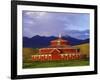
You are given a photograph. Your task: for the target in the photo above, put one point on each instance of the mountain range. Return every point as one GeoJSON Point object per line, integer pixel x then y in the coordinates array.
{"type": "Point", "coordinates": [42, 41]}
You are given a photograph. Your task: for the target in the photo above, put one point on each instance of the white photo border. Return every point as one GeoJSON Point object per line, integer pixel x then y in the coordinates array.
{"type": "Point", "coordinates": [57, 69]}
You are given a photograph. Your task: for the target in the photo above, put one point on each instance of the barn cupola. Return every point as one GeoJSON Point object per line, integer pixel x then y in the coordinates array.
{"type": "Point", "coordinates": [59, 42]}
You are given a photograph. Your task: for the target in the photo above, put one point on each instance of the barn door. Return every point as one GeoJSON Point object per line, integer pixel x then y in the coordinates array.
{"type": "Point", "coordinates": [56, 55]}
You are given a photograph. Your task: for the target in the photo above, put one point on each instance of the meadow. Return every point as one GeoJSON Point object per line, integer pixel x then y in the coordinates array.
{"type": "Point", "coordinates": [62, 63]}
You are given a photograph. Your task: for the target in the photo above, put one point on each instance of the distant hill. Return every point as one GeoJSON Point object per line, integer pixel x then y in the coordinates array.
{"type": "Point", "coordinates": [84, 48]}
{"type": "Point", "coordinates": [42, 41]}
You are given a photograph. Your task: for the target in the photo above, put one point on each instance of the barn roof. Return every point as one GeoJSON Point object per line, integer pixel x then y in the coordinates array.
{"type": "Point", "coordinates": [59, 39]}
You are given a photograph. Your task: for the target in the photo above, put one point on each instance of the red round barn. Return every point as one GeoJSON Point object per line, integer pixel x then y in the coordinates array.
{"type": "Point", "coordinates": [59, 49]}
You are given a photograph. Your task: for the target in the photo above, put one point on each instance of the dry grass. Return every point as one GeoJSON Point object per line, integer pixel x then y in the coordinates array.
{"type": "Point", "coordinates": [84, 48]}
{"type": "Point", "coordinates": [27, 53]}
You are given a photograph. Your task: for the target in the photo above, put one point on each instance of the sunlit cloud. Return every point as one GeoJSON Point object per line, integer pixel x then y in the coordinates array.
{"type": "Point", "coordinates": [35, 14]}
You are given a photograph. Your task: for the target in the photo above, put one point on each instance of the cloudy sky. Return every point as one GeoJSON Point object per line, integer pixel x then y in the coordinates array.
{"type": "Point", "coordinates": [54, 23]}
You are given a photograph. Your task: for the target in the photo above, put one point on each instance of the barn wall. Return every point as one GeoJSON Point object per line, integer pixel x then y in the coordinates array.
{"type": "Point", "coordinates": [50, 57]}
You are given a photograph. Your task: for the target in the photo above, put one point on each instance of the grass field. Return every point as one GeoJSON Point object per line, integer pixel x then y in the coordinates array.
{"type": "Point", "coordinates": [38, 64]}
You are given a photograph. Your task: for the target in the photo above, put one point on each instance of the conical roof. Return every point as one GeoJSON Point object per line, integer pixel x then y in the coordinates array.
{"type": "Point", "coordinates": [59, 42]}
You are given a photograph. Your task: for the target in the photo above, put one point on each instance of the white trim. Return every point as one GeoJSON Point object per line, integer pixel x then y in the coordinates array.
{"type": "Point", "coordinates": [54, 49]}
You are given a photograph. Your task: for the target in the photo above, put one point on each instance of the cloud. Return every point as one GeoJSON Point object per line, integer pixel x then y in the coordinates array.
{"type": "Point", "coordinates": [77, 34]}
{"type": "Point", "coordinates": [51, 24]}
{"type": "Point", "coordinates": [35, 14]}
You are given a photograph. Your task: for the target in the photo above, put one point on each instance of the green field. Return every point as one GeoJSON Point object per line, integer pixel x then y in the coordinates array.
{"type": "Point", "coordinates": [38, 64]}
